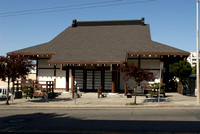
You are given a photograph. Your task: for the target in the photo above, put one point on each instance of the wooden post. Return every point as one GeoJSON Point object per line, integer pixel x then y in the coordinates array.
{"type": "Point", "coordinates": [84, 80]}
{"type": "Point", "coordinates": [114, 80]}
{"type": "Point", "coordinates": [67, 79]}
{"type": "Point", "coordinates": [72, 83]}
{"type": "Point", "coordinates": [55, 83]}
{"type": "Point", "coordinates": [37, 69]}
{"type": "Point", "coordinates": [54, 70]}
{"type": "Point", "coordinates": [17, 85]}
{"type": "Point", "coordinates": [102, 78]}
{"type": "Point", "coordinates": [125, 89]}
{"type": "Point", "coordinates": [46, 87]}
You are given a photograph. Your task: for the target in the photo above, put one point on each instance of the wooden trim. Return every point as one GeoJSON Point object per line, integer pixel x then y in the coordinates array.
{"type": "Point", "coordinates": [159, 53]}
{"type": "Point", "coordinates": [60, 88]}
{"type": "Point", "coordinates": [113, 83]}
{"type": "Point", "coordinates": [48, 68]}
{"type": "Point", "coordinates": [30, 54]}
{"type": "Point", "coordinates": [82, 62]}
{"type": "Point", "coordinates": [54, 70]}
{"type": "Point", "coordinates": [43, 58]}
{"type": "Point", "coordinates": [139, 61]}
{"type": "Point", "coordinates": [84, 80]}
{"type": "Point", "coordinates": [72, 83]}
{"type": "Point", "coordinates": [54, 83]}
{"type": "Point", "coordinates": [67, 80]}
{"type": "Point", "coordinates": [103, 79]}
{"type": "Point", "coordinates": [37, 70]}
{"type": "Point", "coordinates": [83, 68]}
{"type": "Point", "coordinates": [144, 58]}
{"type": "Point", "coordinates": [93, 79]}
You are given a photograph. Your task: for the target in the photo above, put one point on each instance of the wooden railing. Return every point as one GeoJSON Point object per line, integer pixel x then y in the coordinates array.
{"type": "Point", "coordinates": [129, 87]}
{"type": "Point", "coordinates": [39, 87]}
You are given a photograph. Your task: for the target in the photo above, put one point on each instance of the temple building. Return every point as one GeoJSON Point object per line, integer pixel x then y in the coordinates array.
{"type": "Point", "coordinates": [87, 52]}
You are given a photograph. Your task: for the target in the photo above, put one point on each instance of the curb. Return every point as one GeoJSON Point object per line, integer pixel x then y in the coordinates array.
{"type": "Point", "coordinates": [99, 106]}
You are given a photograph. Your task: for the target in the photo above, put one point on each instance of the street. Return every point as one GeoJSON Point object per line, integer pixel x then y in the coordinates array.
{"type": "Point", "coordinates": [114, 121]}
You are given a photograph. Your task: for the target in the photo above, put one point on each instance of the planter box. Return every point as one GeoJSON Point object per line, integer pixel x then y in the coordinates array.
{"type": "Point", "coordinates": [18, 95]}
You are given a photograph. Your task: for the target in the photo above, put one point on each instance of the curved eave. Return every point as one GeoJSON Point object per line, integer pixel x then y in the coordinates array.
{"type": "Point", "coordinates": [160, 53]}
{"type": "Point", "coordinates": [30, 54]}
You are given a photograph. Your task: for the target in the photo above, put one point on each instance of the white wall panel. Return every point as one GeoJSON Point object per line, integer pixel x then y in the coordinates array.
{"type": "Point", "coordinates": [60, 79]}
{"type": "Point", "coordinates": [45, 75]}
{"type": "Point", "coordinates": [150, 63]}
{"type": "Point", "coordinates": [42, 63]}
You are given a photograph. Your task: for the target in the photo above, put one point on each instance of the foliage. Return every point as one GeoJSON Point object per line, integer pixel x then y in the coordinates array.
{"type": "Point", "coordinates": [14, 66]}
{"type": "Point", "coordinates": [194, 69]}
{"type": "Point", "coordinates": [156, 86]}
{"type": "Point", "coordinates": [181, 70]}
{"type": "Point", "coordinates": [132, 71]}
{"type": "Point", "coordinates": [131, 103]}
{"type": "Point", "coordinates": [153, 94]}
{"type": "Point", "coordinates": [27, 91]}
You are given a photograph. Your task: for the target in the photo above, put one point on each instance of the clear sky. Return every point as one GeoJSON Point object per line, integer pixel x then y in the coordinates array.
{"type": "Point", "coordinates": [172, 22]}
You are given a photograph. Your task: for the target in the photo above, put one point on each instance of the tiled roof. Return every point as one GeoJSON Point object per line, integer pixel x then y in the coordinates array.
{"type": "Point", "coordinates": [102, 41]}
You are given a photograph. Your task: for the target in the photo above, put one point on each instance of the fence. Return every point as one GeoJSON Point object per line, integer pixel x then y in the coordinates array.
{"type": "Point", "coordinates": [38, 87]}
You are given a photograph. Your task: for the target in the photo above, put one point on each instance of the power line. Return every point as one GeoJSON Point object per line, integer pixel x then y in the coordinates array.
{"type": "Point", "coordinates": [57, 7]}
{"type": "Point", "coordinates": [39, 11]}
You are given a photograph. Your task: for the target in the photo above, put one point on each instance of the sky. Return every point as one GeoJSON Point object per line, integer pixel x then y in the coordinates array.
{"type": "Point", "coordinates": [25, 23]}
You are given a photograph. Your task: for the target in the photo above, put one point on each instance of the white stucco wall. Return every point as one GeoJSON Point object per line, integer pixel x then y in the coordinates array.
{"type": "Point", "coordinates": [48, 74]}
{"type": "Point", "coordinates": [153, 64]}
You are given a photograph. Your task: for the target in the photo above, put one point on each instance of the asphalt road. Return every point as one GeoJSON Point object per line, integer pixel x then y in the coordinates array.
{"type": "Point", "coordinates": [96, 121]}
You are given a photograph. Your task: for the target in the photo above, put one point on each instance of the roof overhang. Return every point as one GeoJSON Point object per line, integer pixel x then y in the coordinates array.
{"type": "Point", "coordinates": [30, 54]}
{"type": "Point", "coordinates": [160, 53]}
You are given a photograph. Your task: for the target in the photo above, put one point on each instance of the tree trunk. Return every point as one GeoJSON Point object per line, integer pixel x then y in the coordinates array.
{"type": "Point", "coordinates": [136, 93]}
{"type": "Point", "coordinates": [7, 92]}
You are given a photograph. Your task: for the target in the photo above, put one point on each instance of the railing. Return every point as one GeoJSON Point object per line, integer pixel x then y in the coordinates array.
{"type": "Point", "coordinates": [39, 87]}
{"type": "Point", "coordinates": [130, 87]}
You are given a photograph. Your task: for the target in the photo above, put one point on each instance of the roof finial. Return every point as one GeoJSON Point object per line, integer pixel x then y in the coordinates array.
{"type": "Point", "coordinates": [74, 23]}
{"type": "Point", "coordinates": [142, 20]}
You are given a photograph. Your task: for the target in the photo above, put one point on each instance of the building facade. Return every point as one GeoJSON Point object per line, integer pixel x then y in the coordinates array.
{"type": "Point", "coordinates": [192, 58]}
{"type": "Point", "coordinates": [87, 53]}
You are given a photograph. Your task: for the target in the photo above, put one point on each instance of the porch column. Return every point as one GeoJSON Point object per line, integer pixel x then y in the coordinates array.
{"type": "Point", "coordinates": [102, 78]}
{"type": "Point", "coordinates": [114, 80]}
{"type": "Point", "coordinates": [37, 70]}
{"type": "Point", "coordinates": [84, 80]}
{"type": "Point", "coordinates": [72, 83]}
{"type": "Point", "coordinates": [67, 79]}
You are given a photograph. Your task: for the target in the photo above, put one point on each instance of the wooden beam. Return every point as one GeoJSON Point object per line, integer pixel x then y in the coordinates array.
{"type": "Point", "coordinates": [113, 82]}
{"type": "Point", "coordinates": [84, 80]}
{"type": "Point", "coordinates": [54, 70]}
{"type": "Point", "coordinates": [37, 69]}
{"type": "Point", "coordinates": [102, 78]}
{"type": "Point", "coordinates": [72, 83]}
{"type": "Point", "coordinates": [67, 80]}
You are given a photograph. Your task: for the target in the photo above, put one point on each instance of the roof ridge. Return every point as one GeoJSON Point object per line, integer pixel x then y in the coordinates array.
{"type": "Point", "coordinates": [76, 23]}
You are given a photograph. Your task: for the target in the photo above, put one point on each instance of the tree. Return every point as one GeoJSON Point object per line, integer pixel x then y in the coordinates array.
{"type": "Point", "coordinates": [181, 70]}
{"type": "Point", "coordinates": [13, 67]}
{"type": "Point", "coordinates": [132, 71]}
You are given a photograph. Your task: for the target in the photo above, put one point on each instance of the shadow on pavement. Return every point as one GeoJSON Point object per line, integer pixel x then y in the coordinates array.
{"type": "Point", "coordinates": [50, 100]}
{"type": "Point", "coordinates": [62, 123]}
{"type": "Point", "coordinates": [156, 100]}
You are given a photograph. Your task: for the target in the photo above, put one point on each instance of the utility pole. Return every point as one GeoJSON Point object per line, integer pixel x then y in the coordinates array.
{"type": "Point", "coordinates": [197, 76]}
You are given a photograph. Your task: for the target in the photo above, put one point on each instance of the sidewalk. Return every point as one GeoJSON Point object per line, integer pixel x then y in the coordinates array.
{"type": "Point", "coordinates": [90, 100]}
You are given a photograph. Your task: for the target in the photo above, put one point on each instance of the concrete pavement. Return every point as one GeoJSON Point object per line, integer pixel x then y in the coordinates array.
{"type": "Point", "coordinates": [90, 100]}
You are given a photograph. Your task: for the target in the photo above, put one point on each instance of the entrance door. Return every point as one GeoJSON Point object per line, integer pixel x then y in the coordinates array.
{"type": "Point", "coordinates": [93, 80]}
